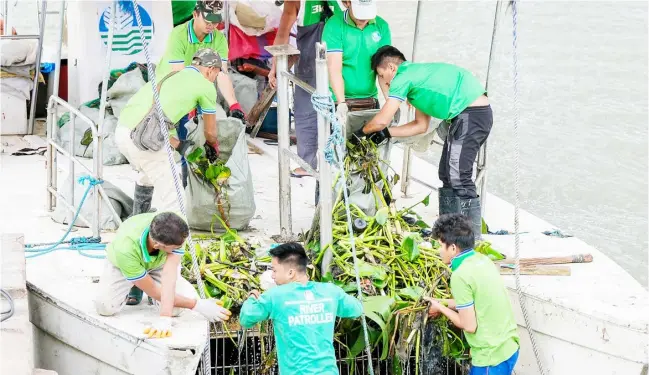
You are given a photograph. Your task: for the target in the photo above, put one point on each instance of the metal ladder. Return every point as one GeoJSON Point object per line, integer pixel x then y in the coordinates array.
{"type": "Point", "coordinates": [42, 13]}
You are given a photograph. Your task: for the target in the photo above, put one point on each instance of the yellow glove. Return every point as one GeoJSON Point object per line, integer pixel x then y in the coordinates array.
{"type": "Point", "coordinates": [160, 329]}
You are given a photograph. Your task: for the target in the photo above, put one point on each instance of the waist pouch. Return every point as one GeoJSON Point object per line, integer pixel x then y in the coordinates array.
{"type": "Point", "coordinates": [361, 104]}
{"type": "Point", "coordinates": [147, 135]}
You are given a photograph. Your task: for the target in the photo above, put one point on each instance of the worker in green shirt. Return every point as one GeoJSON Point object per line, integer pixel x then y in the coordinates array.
{"type": "Point", "coordinates": [310, 16]}
{"type": "Point", "coordinates": [351, 41]}
{"type": "Point", "coordinates": [198, 33]}
{"type": "Point", "coordinates": [185, 40]}
{"type": "Point", "coordinates": [146, 253]}
{"type": "Point", "coordinates": [446, 92]}
{"type": "Point", "coordinates": [480, 304]}
{"type": "Point", "coordinates": [303, 314]}
{"type": "Point", "coordinates": [139, 137]}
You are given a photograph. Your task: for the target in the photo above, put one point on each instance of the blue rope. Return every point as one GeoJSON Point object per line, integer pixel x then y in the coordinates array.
{"type": "Point", "coordinates": [78, 244]}
{"type": "Point", "coordinates": [324, 105]}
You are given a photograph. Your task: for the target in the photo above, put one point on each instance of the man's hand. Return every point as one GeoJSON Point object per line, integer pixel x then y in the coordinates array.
{"type": "Point", "coordinates": [341, 113]}
{"type": "Point", "coordinates": [357, 136]}
{"type": "Point", "coordinates": [380, 136]}
{"type": "Point", "coordinates": [160, 329]}
{"type": "Point", "coordinates": [272, 77]}
{"type": "Point", "coordinates": [237, 112]}
{"type": "Point", "coordinates": [211, 151]}
{"type": "Point", "coordinates": [184, 147]}
{"type": "Point", "coordinates": [434, 308]}
{"type": "Point", "coordinates": [212, 310]}
{"type": "Point", "coordinates": [254, 293]}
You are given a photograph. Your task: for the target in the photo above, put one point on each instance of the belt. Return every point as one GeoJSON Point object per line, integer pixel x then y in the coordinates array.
{"type": "Point", "coordinates": [361, 104]}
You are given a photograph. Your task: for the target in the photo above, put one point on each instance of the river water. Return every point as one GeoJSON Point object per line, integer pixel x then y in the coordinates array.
{"type": "Point", "coordinates": [583, 106]}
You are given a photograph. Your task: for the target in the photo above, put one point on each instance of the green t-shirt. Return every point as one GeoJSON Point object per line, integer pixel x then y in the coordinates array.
{"type": "Point", "coordinates": [183, 44]}
{"type": "Point", "coordinates": [357, 46]}
{"type": "Point", "coordinates": [303, 321]}
{"type": "Point", "coordinates": [311, 11]}
{"type": "Point", "coordinates": [475, 281]}
{"type": "Point", "coordinates": [179, 94]}
{"type": "Point", "coordinates": [439, 90]}
{"type": "Point", "coordinates": [182, 9]}
{"type": "Point", "coordinates": [128, 250]}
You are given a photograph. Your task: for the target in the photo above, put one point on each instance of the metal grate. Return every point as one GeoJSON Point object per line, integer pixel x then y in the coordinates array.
{"type": "Point", "coordinates": [228, 359]}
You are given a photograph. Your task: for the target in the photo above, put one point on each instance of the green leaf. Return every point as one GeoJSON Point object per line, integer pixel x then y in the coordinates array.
{"type": "Point", "coordinates": [213, 171]}
{"type": "Point", "coordinates": [413, 293]}
{"type": "Point", "coordinates": [422, 224]}
{"type": "Point", "coordinates": [381, 305]}
{"type": "Point", "coordinates": [223, 176]}
{"type": "Point", "coordinates": [485, 228]}
{"type": "Point", "coordinates": [426, 200]}
{"type": "Point", "coordinates": [410, 246]}
{"type": "Point", "coordinates": [381, 216]}
{"type": "Point", "coordinates": [374, 272]}
{"type": "Point", "coordinates": [485, 248]}
{"type": "Point", "coordinates": [385, 334]}
{"type": "Point", "coordinates": [195, 155]}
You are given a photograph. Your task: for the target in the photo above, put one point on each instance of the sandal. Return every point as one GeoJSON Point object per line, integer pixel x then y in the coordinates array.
{"type": "Point", "coordinates": [295, 174]}
{"type": "Point", "coordinates": [134, 296]}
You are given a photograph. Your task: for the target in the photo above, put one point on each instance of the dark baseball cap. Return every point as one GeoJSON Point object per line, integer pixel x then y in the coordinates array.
{"type": "Point", "coordinates": [211, 10]}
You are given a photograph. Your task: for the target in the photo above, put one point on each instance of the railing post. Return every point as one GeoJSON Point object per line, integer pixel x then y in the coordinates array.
{"type": "Point", "coordinates": [98, 137]}
{"type": "Point", "coordinates": [51, 153]}
{"type": "Point", "coordinates": [71, 126]}
{"type": "Point", "coordinates": [324, 175]}
{"type": "Point", "coordinates": [281, 54]}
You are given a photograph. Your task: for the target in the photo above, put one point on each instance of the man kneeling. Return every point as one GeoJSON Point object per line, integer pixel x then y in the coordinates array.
{"type": "Point", "coordinates": [146, 252]}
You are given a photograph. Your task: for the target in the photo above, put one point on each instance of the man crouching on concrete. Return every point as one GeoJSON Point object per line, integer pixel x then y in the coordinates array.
{"type": "Point", "coordinates": [146, 252]}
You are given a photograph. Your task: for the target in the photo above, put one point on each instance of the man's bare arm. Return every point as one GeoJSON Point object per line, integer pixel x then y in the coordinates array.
{"type": "Point", "coordinates": [210, 130]}
{"type": "Point", "coordinates": [289, 16]}
{"type": "Point", "coordinates": [335, 66]}
{"type": "Point", "coordinates": [224, 84]}
{"type": "Point", "coordinates": [418, 126]}
{"type": "Point", "coordinates": [383, 119]}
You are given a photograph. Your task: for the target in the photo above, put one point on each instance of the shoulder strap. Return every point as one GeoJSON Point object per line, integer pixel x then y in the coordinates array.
{"type": "Point", "coordinates": [162, 81]}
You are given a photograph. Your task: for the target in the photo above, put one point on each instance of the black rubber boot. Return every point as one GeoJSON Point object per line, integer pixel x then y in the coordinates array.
{"type": "Point", "coordinates": [472, 210]}
{"type": "Point", "coordinates": [185, 173]}
{"type": "Point", "coordinates": [142, 199]}
{"type": "Point", "coordinates": [448, 202]}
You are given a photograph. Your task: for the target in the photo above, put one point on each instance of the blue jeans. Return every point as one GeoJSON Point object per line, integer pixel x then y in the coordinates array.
{"type": "Point", "coordinates": [503, 368]}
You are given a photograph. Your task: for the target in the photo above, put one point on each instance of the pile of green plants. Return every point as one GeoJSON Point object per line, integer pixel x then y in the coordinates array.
{"type": "Point", "coordinates": [398, 264]}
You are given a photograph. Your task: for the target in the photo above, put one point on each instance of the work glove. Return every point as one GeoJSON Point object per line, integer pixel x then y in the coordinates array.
{"type": "Point", "coordinates": [357, 136]}
{"type": "Point", "coordinates": [159, 329]}
{"type": "Point", "coordinates": [184, 147]}
{"type": "Point", "coordinates": [212, 310]}
{"type": "Point", "coordinates": [341, 113]}
{"type": "Point", "coordinates": [237, 112]}
{"type": "Point", "coordinates": [211, 151]}
{"type": "Point", "coordinates": [380, 136]}
{"type": "Point", "coordinates": [266, 280]}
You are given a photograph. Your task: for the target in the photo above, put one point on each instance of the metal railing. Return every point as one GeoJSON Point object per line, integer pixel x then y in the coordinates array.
{"type": "Point", "coordinates": [324, 174]}
{"type": "Point", "coordinates": [54, 148]}
{"type": "Point", "coordinates": [97, 142]}
{"type": "Point", "coordinates": [37, 63]}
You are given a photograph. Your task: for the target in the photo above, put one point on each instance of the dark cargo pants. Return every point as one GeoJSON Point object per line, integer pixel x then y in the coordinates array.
{"type": "Point", "coordinates": [466, 134]}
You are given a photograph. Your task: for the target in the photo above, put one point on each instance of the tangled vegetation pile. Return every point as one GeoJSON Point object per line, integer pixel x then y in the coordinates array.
{"type": "Point", "coordinates": [215, 173]}
{"type": "Point", "coordinates": [398, 263]}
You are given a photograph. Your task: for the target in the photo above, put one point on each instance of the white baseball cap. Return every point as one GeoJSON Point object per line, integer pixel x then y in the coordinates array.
{"type": "Point", "coordinates": [364, 9]}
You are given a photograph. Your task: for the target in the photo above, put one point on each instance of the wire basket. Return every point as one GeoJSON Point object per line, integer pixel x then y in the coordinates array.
{"type": "Point", "coordinates": [255, 356]}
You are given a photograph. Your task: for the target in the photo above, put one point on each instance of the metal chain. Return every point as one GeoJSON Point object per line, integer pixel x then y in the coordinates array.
{"type": "Point", "coordinates": [324, 105]}
{"type": "Point", "coordinates": [517, 268]}
{"type": "Point", "coordinates": [174, 170]}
